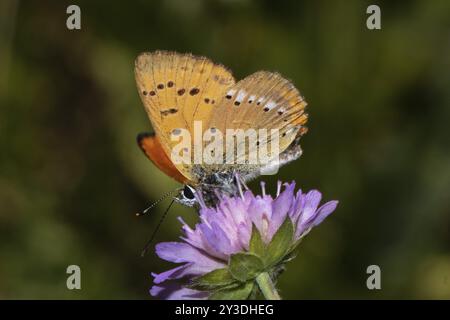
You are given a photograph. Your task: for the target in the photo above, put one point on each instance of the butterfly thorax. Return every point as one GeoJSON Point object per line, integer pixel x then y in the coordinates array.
{"type": "Point", "coordinates": [212, 183]}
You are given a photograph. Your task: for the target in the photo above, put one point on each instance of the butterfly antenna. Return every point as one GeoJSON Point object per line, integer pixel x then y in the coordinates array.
{"type": "Point", "coordinates": [149, 242]}
{"type": "Point", "coordinates": [167, 194]}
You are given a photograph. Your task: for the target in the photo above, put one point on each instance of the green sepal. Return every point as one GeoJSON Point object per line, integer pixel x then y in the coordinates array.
{"type": "Point", "coordinates": [240, 292]}
{"type": "Point", "coordinates": [257, 245]}
{"type": "Point", "coordinates": [214, 279]}
{"type": "Point", "coordinates": [281, 243]}
{"type": "Point", "coordinates": [244, 266]}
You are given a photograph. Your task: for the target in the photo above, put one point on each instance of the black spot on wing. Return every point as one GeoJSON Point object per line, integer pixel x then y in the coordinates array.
{"type": "Point", "coordinates": [194, 91]}
{"type": "Point", "coordinates": [168, 111]}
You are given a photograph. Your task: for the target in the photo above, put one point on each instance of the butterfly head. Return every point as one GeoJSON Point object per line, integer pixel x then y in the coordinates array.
{"type": "Point", "coordinates": [208, 189]}
{"type": "Point", "coordinates": [186, 196]}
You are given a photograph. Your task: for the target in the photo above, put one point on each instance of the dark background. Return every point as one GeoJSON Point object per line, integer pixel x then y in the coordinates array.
{"type": "Point", "coordinates": [71, 175]}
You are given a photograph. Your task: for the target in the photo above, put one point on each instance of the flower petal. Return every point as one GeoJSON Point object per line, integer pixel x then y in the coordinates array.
{"type": "Point", "coordinates": [174, 273]}
{"type": "Point", "coordinates": [174, 291]}
{"type": "Point", "coordinates": [217, 240]}
{"type": "Point", "coordinates": [244, 234]}
{"type": "Point", "coordinates": [297, 206]}
{"type": "Point", "coordinates": [176, 252]}
{"type": "Point", "coordinates": [280, 208]}
{"type": "Point", "coordinates": [282, 204]}
{"type": "Point", "coordinates": [186, 270]}
{"type": "Point", "coordinates": [312, 201]}
{"type": "Point", "coordinates": [324, 211]}
{"type": "Point", "coordinates": [259, 208]}
{"type": "Point", "coordinates": [224, 243]}
{"type": "Point", "coordinates": [234, 209]}
{"type": "Point", "coordinates": [179, 252]}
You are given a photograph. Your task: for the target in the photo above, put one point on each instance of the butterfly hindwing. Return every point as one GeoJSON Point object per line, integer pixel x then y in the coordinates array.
{"type": "Point", "coordinates": [263, 100]}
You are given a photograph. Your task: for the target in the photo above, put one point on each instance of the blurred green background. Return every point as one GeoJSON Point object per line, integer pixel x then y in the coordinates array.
{"type": "Point", "coordinates": [71, 175]}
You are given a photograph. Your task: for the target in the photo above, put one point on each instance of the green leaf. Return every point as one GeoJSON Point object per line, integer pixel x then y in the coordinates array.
{"type": "Point", "coordinates": [245, 266]}
{"type": "Point", "coordinates": [213, 279]}
{"type": "Point", "coordinates": [281, 243]}
{"type": "Point", "coordinates": [257, 245]}
{"type": "Point", "coordinates": [237, 293]}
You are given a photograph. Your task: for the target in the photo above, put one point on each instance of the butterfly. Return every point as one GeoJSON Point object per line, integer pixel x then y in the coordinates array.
{"type": "Point", "coordinates": [180, 90]}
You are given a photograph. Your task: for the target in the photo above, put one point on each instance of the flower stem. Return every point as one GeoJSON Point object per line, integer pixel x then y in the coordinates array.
{"type": "Point", "coordinates": [267, 288]}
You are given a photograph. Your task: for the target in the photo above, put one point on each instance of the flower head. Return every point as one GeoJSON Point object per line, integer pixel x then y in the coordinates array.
{"type": "Point", "coordinates": [238, 243]}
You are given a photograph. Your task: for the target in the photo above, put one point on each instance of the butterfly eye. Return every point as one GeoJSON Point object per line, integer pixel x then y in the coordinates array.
{"type": "Point", "coordinates": [188, 192]}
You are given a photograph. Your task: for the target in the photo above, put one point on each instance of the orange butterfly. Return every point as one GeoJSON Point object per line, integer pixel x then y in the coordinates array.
{"type": "Point", "coordinates": [180, 90]}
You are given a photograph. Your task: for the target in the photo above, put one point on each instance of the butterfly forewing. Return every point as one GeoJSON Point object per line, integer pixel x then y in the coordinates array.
{"type": "Point", "coordinates": [153, 149]}
{"type": "Point", "coordinates": [178, 89]}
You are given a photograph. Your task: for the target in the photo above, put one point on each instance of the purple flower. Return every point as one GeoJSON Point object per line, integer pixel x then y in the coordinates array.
{"type": "Point", "coordinates": [211, 250]}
